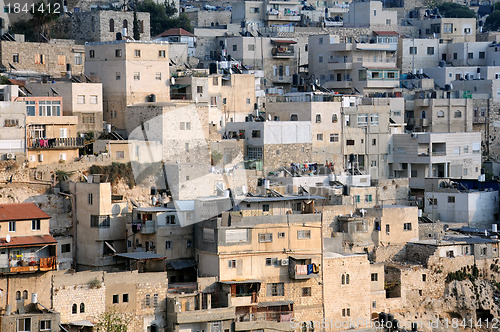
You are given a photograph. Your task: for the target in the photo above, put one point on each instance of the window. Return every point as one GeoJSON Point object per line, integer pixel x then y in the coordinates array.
{"type": "Point", "coordinates": [373, 163]}
{"type": "Point", "coordinates": [334, 118]}
{"type": "Point", "coordinates": [346, 312]}
{"type": "Point", "coordinates": [100, 221]}
{"type": "Point", "coordinates": [271, 261]}
{"type": "Point", "coordinates": [254, 10]}
{"type": "Point", "coordinates": [63, 132]}
{"type": "Point", "coordinates": [93, 99]}
{"type": "Point", "coordinates": [45, 325]}
{"type": "Point", "coordinates": [256, 133]}
{"type": "Point", "coordinates": [25, 294]}
{"type": "Point", "coordinates": [11, 123]}
{"type": "Point", "coordinates": [430, 50]}
{"type": "Point", "coordinates": [318, 118]}
{"type": "Point", "coordinates": [470, 55]}
{"type": "Point", "coordinates": [74, 309]}
{"type": "Point", "coordinates": [90, 198]}
{"type": "Point", "coordinates": [374, 304]}
{"type": "Point", "coordinates": [350, 142]}
{"type": "Point", "coordinates": [235, 48]}
{"type": "Point", "coordinates": [440, 114]}
{"type": "Point", "coordinates": [265, 207]}
{"type": "Point", "coordinates": [35, 224]}
{"type": "Point", "coordinates": [304, 234]}
{"type": "Point", "coordinates": [199, 89]}
{"type": "Point", "coordinates": [320, 41]}
{"type": "Point", "coordinates": [455, 56]}
{"type": "Point", "coordinates": [30, 108]}
{"type": "Point", "coordinates": [407, 226]}
{"type": "Point", "coordinates": [345, 279]}
{"type": "Point", "coordinates": [306, 291]}
{"type": "Point", "coordinates": [12, 226]}
{"type": "Point", "coordinates": [65, 248]}
{"type": "Point", "coordinates": [231, 263]}
{"type": "Point", "coordinates": [320, 59]}
{"type": "Point", "coordinates": [137, 76]}
{"type": "Point", "coordinates": [451, 199]}
{"type": "Point", "coordinates": [18, 294]}
{"type": "Point", "coordinates": [484, 251]}
{"type": "Point", "coordinates": [362, 119]}
{"type": "Point", "coordinates": [111, 25]}
{"type": "Point", "coordinates": [374, 276]}
{"type": "Point", "coordinates": [374, 119]}
{"type": "Point", "coordinates": [265, 237]}
{"type": "Point", "coordinates": [125, 298]}
{"type": "Point", "coordinates": [24, 325]}
{"type": "Point", "coordinates": [39, 59]}
{"type": "Point", "coordinates": [155, 300]}
{"type": "Point", "coordinates": [294, 117]}
{"type": "Point", "coordinates": [116, 298]}
{"type": "Point", "coordinates": [482, 55]}
{"type": "Point", "coordinates": [120, 154]}
{"type": "Point", "coordinates": [334, 138]}
{"type": "Point", "coordinates": [78, 59]}
{"type": "Point", "coordinates": [388, 229]}
{"type": "Point", "coordinates": [424, 277]}
{"type": "Point", "coordinates": [168, 245]}
{"type": "Point", "coordinates": [447, 27]}
{"type": "Point", "coordinates": [161, 54]}
{"type": "Point", "coordinates": [368, 198]}
{"type": "Point", "coordinates": [118, 76]}
{"type": "Point", "coordinates": [189, 244]}
{"type": "Point", "coordinates": [281, 235]}
{"type": "Point", "coordinates": [92, 54]}
{"type": "Point", "coordinates": [118, 53]}
{"type": "Point", "coordinates": [276, 289]}
{"type": "Point", "coordinates": [251, 47]}
{"type": "Point", "coordinates": [388, 22]}
{"type": "Point", "coordinates": [82, 308]}
{"type": "Point", "coordinates": [458, 114]}
{"type": "Point", "coordinates": [413, 50]}
{"type": "Point", "coordinates": [319, 137]}
{"type": "Point", "coordinates": [80, 99]}
{"type": "Point", "coordinates": [15, 58]}
{"type": "Point", "coordinates": [147, 300]}
{"type": "Point", "coordinates": [137, 53]}
{"type": "Point", "coordinates": [213, 101]}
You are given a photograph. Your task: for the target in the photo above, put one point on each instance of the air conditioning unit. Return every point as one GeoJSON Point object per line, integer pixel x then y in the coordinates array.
{"type": "Point", "coordinates": [284, 262]}
{"type": "Point", "coordinates": [11, 156]}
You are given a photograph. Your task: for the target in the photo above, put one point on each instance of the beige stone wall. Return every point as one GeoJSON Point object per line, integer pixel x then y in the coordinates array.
{"type": "Point", "coordinates": [38, 283]}
{"type": "Point", "coordinates": [354, 295]}
{"type": "Point", "coordinates": [55, 56]}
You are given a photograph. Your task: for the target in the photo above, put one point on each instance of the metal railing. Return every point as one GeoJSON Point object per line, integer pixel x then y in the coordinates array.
{"type": "Point", "coordinates": [275, 316]}
{"type": "Point", "coordinates": [55, 143]}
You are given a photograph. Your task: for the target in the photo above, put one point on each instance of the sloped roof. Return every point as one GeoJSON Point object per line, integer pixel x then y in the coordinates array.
{"type": "Point", "coordinates": [386, 33]}
{"type": "Point", "coordinates": [21, 211]}
{"type": "Point", "coordinates": [24, 241]}
{"type": "Point", "coordinates": [175, 32]}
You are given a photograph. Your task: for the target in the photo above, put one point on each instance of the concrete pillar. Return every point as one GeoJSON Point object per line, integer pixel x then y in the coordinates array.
{"type": "Point", "coordinates": [409, 170]}
{"type": "Point", "coordinates": [445, 169]}
{"type": "Point", "coordinates": [209, 301]}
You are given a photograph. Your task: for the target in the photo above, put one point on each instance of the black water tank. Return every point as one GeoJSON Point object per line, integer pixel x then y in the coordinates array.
{"type": "Point", "coordinates": [212, 68]}
{"type": "Point", "coordinates": [295, 79]}
{"type": "Point", "coordinates": [153, 191]}
{"type": "Point", "coordinates": [152, 98]}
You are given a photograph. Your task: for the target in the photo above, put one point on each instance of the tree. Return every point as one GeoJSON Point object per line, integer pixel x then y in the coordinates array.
{"type": "Point", "coordinates": [162, 16]}
{"type": "Point", "coordinates": [454, 10]}
{"type": "Point", "coordinates": [431, 4]}
{"type": "Point", "coordinates": [42, 19]}
{"type": "Point", "coordinates": [137, 34]}
{"type": "Point", "coordinates": [493, 21]}
{"type": "Point", "coordinates": [113, 321]}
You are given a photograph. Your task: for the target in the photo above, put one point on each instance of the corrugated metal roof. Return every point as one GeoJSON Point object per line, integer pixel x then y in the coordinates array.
{"type": "Point", "coordinates": [84, 323]}
{"type": "Point", "coordinates": [182, 264]}
{"type": "Point", "coordinates": [140, 255]}
{"type": "Point", "coordinates": [26, 241]}
{"type": "Point", "coordinates": [274, 303]}
{"type": "Point", "coordinates": [21, 211]}
{"type": "Point", "coordinates": [280, 199]}
{"type": "Point", "coordinates": [154, 209]}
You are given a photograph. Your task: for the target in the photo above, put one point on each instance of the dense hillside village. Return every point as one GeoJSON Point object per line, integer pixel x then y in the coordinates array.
{"type": "Point", "coordinates": [251, 165]}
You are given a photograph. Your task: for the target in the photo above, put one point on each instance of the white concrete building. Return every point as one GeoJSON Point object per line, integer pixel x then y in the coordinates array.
{"type": "Point", "coordinates": [370, 14]}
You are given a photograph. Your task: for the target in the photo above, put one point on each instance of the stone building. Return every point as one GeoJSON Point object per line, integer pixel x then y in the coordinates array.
{"type": "Point", "coordinates": [83, 100]}
{"type": "Point", "coordinates": [57, 58]}
{"type": "Point", "coordinates": [131, 72]}
{"type": "Point", "coordinates": [101, 223]}
{"type": "Point", "coordinates": [107, 25]}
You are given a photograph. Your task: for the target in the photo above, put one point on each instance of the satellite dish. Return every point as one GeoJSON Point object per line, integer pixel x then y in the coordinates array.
{"type": "Point", "coordinates": [269, 117]}
{"type": "Point", "coordinates": [7, 238]}
{"type": "Point", "coordinates": [172, 81]}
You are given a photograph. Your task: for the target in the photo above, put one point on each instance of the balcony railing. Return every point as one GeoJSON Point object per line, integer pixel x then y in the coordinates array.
{"type": "Point", "coordinates": [277, 316]}
{"type": "Point", "coordinates": [55, 143]}
{"type": "Point", "coordinates": [282, 52]}
{"type": "Point", "coordinates": [20, 265]}
{"type": "Point", "coordinates": [439, 153]}
{"type": "Point", "coordinates": [147, 227]}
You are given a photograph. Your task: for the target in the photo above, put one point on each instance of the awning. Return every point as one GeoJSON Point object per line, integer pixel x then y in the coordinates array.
{"type": "Point", "coordinates": [274, 303]}
{"type": "Point", "coordinates": [182, 264]}
{"type": "Point", "coordinates": [84, 323]}
{"type": "Point", "coordinates": [232, 282]}
{"type": "Point", "coordinates": [179, 86]}
{"type": "Point", "coordinates": [282, 41]}
{"type": "Point", "coordinates": [139, 256]}
{"type": "Point", "coordinates": [28, 241]}
{"type": "Point", "coordinates": [386, 33]}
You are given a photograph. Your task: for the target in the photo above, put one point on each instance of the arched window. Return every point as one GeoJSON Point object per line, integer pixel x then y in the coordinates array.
{"type": "Point", "coordinates": [318, 118]}
{"type": "Point", "coordinates": [82, 307]}
{"type": "Point", "coordinates": [25, 294]}
{"type": "Point", "coordinates": [343, 279]}
{"type": "Point", "coordinates": [18, 295]}
{"type": "Point", "coordinates": [125, 24]}
{"type": "Point", "coordinates": [111, 25]}
{"type": "Point", "coordinates": [141, 26]}
{"type": "Point", "coordinates": [212, 24]}
{"type": "Point", "coordinates": [294, 117]}
{"type": "Point", "coordinates": [440, 114]}
{"type": "Point", "coordinates": [334, 118]}
{"type": "Point", "coordinates": [347, 279]}
{"type": "Point", "coordinates": [423, 115]}
{"type": "Point", "coordinates": [458, 114]}
{"type": "Point", "coordinates": [74, 309]}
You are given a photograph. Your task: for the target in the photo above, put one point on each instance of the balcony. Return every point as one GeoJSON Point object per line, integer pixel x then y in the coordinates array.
{"type": "Point", "coordinates": [25, 266]}
{"type": "Point", "coordinates": [204, 315]}
{"type": "Point", "coordinates": [301, 269]}
{"type": "Point", "coordinates": [55, 143]}
{"type": "Point", "coordinates": [243, 299]}
{"type": "Point", "coordinates": [282, 79]}
{"type": "Point", "coordinates": [340, 64]}
{"type": "Point", "coordinates": [340, 84]}
{"type": "Point", "coordinates": [146, 227]}
{"type": "Point", "coordinates": [282, 52]}
{"type": "Point", "coordinates": [287, 15]}
{"type": "Point", "coordinates": [274, 320]}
